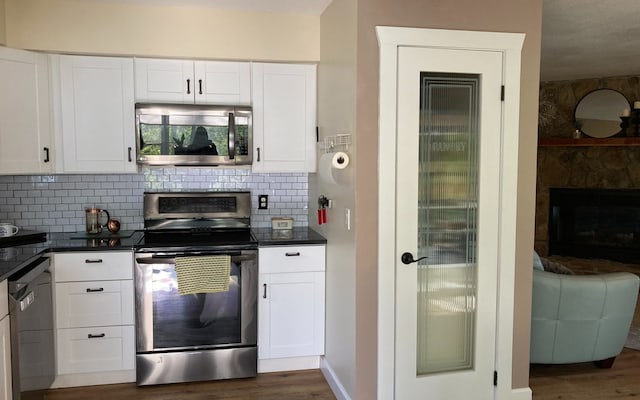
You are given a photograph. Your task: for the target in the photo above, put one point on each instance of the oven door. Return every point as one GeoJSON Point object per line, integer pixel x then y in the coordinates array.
{"type": "Point", "coordinates": [168, 321]}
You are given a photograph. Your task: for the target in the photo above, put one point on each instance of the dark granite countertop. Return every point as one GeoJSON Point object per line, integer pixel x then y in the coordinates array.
{"type": "Point", "coordinates": [15, 257]}
{"type": "Point", "coordinates": [297, 236]}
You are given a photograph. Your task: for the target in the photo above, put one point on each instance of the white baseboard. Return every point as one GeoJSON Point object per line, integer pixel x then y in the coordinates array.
{"type": "Point", "coordinates": [333, 381]}
{"type": "Point", "coordinates": [288, 364]}
{"type": "Point", "coordinates": [521, 394]}
{"type": "Point", "coordinates": [96, 378]}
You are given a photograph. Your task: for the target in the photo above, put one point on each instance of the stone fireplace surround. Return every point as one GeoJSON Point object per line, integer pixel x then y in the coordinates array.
{"type": "Point", "coordinates": [579, 167]}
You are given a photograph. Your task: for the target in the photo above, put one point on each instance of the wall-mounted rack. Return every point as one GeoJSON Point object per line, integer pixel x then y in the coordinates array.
{"type": "Point", "coordinates": [337, 143]}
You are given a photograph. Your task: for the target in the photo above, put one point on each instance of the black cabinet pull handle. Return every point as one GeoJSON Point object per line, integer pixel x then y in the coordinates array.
{"type": "Point", "coordinates": [46, 154]}
{"type": "Point", "coordinates": [96, 261]}
{"type": "Point", "coordinates": [264, 290]}
{"type": "Point", "coordinates": [130, 158]}
{"type": "Point", "coordinates": [91, 336]}
{"type": "Point", "coordinates": [200, 84]}
{"type": "Point", "coordinates": [296, 254]}
{"type": "Point", "coordinates": [188, 86]}
{"type": "Point", "coordinates": [258, 154]}
{"type": "Point", "coordinates": [407, 258]}
{"type": "Point", "coordinates": [90, 290]}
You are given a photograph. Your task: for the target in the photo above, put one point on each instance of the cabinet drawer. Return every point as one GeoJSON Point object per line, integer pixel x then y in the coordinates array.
{"type": "Point", "coordinates": [291, 259]}
{"type": "Point", "coordinates": [83, 350]}
{"type": "Point", "coordinates": [94, 303]}
{"type": "Point", "coordinates": [89, 266]}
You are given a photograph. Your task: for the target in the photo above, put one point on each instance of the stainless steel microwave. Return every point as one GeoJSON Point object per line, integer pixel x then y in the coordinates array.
{"type": "Point", "coordinates": [193, 135]}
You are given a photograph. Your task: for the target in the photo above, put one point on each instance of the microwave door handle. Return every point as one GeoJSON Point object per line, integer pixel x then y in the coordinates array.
{"type": "Point", "coordinates": [232, 136]}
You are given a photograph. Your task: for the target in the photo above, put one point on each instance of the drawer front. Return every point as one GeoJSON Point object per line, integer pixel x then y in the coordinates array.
{"type": "Point", "coordinates": [291, 259]}
{"type": "Point", "coordinates": [98, 349]}
{"type": "Point", "coordinates": [89, 266]}
{"type": "Point", "coordinates": [94, 303]}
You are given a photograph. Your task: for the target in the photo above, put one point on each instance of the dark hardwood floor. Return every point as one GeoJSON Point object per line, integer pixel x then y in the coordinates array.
{"type": "Point", "coordinates": [548, 382]}
{"type": "Point", "coordinates": [585, 381]}
{"type": "Point", "coordinates": [298, 385]}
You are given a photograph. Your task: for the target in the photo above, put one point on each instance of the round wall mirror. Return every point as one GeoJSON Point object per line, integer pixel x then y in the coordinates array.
{"type": "Point", "coordinates": [598, 113]}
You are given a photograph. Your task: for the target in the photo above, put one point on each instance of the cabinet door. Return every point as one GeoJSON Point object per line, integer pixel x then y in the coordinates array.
{"type": "Point", "coordinates": [291, 315]}
{"type": "Point", "coordinates": [5, 359]}
{"type": "Point", "coordinates": [284, 117]}
{"type": "Point", "coordinates": [25, 134]}
{"type": "Point", "coordinates": [220, 82]}
{"type": "Point", "coordinates": [96, 113]}
{"type": "Point", "coordinates": [164, 81]}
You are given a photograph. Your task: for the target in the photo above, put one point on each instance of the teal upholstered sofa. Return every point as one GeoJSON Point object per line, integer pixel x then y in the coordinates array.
{"type": "Point", "coordinates": [580, 318]}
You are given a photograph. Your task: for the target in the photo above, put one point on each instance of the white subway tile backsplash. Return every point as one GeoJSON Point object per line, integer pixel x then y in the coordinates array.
{"type": "Point", "coordinates": [56, 203]}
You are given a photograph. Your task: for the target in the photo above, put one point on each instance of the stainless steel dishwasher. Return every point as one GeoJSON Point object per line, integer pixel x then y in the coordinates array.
{"type": "Point", "coordinates": [32, 345]}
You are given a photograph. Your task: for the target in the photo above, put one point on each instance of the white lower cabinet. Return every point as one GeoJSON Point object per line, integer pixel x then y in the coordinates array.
{"type": "Point", "coordinates": [5, 345]}
{"type": "Point", "coordinates": [94, 309]}
{"type": "Point", "coordinates": [291, 307]}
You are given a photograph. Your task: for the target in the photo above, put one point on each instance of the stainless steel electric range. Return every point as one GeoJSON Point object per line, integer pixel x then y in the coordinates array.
{"type": "Point", "coordinates": [185, 333]}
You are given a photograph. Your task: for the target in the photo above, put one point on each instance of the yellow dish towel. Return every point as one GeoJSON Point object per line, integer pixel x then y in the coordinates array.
{"type": "Point", "coordinates": [203, 274]}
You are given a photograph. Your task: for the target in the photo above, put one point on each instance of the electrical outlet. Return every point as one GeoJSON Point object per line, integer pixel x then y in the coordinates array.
{"type": "Point", "coordinates": [263, 202]}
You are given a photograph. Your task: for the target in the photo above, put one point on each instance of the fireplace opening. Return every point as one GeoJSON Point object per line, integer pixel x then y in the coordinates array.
{"type": "Point", "coordinates": [595, 223]}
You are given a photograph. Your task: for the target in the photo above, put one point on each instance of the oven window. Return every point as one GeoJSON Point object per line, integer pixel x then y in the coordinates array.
{"type": "Point", "coordinates": [203, 319]}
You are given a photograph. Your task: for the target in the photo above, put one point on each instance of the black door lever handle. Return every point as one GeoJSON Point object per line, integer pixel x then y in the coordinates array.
{"type": "Point", "coordinates": [407, 258]}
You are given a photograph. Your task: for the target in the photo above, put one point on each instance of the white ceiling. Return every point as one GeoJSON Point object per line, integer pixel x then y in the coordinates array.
{"type": "Point", "coordinates": [311, 7]}
{"type": "Point", "coordinates": [590, 38]}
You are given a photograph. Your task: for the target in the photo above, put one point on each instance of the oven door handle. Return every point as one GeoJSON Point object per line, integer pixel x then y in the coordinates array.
{"type": "Point", "coordinates": [155, 259]}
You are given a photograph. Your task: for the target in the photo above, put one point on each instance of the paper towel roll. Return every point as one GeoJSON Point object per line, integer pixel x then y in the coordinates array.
{"type": "Point", "coordinates": [330, 164]}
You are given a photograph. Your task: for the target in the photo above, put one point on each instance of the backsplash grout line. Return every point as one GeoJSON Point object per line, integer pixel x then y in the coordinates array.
{"type": "Point", "coordinates": [56, 203]}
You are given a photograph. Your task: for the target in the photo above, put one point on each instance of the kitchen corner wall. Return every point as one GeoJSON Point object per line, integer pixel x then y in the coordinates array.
{"type": "Point", "coordinates": [56, 203]}
{"type": "Point", "coordinates": [3, 24]}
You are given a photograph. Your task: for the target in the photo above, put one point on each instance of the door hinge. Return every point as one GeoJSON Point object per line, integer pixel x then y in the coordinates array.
{"type": "Point", "coordinates": [502, 93]}
{"type": "Point", "coordinates": [495, 378]}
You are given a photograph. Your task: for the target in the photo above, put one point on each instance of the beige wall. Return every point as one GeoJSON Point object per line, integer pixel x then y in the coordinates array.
{"type": "Point", "coordinates": [494, 15]}
{"type": "Point", "coordinates": [336, 115]}
{"type": "Point", "coordinates": [78, 26]}
{"type": "Point", "coordinates": [3, 39]}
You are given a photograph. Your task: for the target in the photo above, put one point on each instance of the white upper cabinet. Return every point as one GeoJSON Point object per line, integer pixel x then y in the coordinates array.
{"type": "Point", "coordinates": [93, 107]}
{"type": "Point", "coordinates": [284, 117]}
{"type": "Point", "coordinates": [189, 82]}
{"type": "Point", "coordinates": [25, 131]}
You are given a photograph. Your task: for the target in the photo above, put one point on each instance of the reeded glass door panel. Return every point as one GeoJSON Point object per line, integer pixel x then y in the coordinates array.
{"type": "Point", "coordinates": [447, 221]}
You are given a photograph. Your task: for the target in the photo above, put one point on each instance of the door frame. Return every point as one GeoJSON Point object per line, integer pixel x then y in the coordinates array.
{"type": "Point", "coordinates": [510, 44]}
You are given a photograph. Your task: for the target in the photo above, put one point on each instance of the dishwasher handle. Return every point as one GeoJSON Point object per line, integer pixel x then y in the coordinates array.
{"type": "Point", "coordinates": [26, 300]}
{"type": "Point", "coordinates": [21, 279]}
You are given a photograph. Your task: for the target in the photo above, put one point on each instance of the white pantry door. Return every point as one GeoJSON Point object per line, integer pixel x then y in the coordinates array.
{"type": "Point", "coordinates": [449, 111]}
{"type": "Point", "coordinates": [448, 233]}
